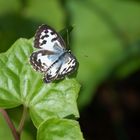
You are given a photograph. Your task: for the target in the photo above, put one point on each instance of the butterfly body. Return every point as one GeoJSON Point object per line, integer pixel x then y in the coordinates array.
{"type": "Point", "coordinates": [52, 58]}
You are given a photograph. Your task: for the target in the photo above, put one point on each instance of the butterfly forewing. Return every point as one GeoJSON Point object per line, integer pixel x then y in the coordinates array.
{"type": "Point", "coordinates": [50, 45]}
{"type": "Point", "coordinates": [47, 38]}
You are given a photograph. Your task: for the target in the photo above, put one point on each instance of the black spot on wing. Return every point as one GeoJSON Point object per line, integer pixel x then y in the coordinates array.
{"type": "Point", "coordinates": [52, 33]}
{"type": "Point", "coordinates": [44, 36]}
{"type": "Point", "coordinates": [54, 39]}
{"type": "Point", "coordinates": [46, 31]}
{"type": "Point", "coordinates": [43, 42]}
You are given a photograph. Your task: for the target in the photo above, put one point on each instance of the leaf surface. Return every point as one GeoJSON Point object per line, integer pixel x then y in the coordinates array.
{"type": "Point", "coordinates": [21, 85]}
{"type": "Point", "coordinates": [59, 129]}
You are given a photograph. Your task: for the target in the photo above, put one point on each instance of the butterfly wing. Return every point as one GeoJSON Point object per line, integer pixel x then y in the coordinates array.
{"type": "Point", "coordinates": [65, 65]}
{"type": "Point", "coordinates": [47, 38]}
{"type": "Point", "coordinates": [41, 60]}
{"type": "Point", "coordinates": [52, 73]}
{"type": "Point", "coordinates": [69, 65]}
{"type": "Point", "coordinates": [50, 45]}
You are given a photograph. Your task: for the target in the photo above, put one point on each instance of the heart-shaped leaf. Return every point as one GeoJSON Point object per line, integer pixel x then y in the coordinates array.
{"type": "Point", "coordinates": [20, 84]}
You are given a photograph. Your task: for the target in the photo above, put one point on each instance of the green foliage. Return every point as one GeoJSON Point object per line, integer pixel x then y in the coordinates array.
{"type": "Point", "coordinates": [3, 128]}
{"type": "Point", "coordinates": [20, 84]}
{"type": "Point", "coordinates": [21, 18]}
{"type": "Point", "coordinates": [105, 41]}
{"type": "Point", "coordinates": [106, 38]}
{"type": "Point", "coordinates": [59, 129]}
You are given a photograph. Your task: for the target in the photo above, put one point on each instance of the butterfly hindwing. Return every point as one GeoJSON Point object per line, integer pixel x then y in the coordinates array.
{"type": "Point", "coordinates": [69, 65]}
{"type": "Point", "coordinates": [41, 60]}
{"type": "Point", "coordinates": [52, 72]}
{"type": "Point", "coordinates": [65, 65]}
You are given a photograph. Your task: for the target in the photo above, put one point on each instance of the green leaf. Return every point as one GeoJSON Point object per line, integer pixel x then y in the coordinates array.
{"type": "Point", "coordinates": [59, 129]}
{"type": "Point", "coordinates": [12, 64]}
{"type": "Point", "coordinates": [20, 84]}
{"type": "Point", "coordinates": [130, 64]}
{"type": "Point", "coordinates": [5, 132]}
{"type": "Point", "coordinates": [21, 18]}
{"type": "Point", "coordinates": [40, 10]}
{"type": "Point", "coordinates": [101, 37]}
{"type": "Point", "coordinates": [57, 100]}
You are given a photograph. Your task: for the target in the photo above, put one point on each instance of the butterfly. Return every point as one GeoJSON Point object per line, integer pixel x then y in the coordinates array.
{"type": "Point", "coordinates": [52, 58]}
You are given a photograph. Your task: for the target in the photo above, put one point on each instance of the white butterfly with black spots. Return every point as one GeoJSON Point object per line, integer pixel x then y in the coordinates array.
{"type": "Point", "coordinates": [52, 58]}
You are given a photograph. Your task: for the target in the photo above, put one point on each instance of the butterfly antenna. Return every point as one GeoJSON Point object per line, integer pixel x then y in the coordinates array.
{"type": "Point", "coordinates": [68, 43]}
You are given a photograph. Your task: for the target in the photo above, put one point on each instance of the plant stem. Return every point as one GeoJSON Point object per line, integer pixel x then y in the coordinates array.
{"type": "Point", "coordinates": [10, 124]}
{"type": "Point", "coordinates": [21, 124]}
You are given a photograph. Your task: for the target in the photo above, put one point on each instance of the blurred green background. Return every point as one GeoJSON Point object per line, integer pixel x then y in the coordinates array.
{"type": "Point", "coordinates": [106, 42]}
